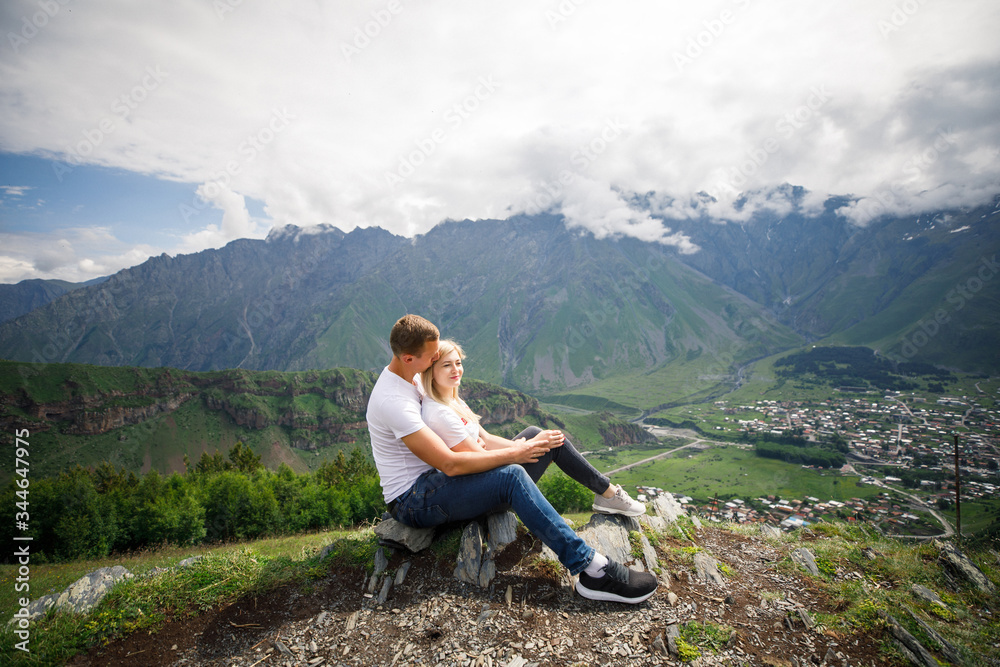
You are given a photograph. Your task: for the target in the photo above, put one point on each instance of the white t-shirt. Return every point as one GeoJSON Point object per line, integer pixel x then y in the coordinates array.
{"type": "Point", "coordinates": [394, 413]}
{"type": "Point", "coordinates": [451, 427]}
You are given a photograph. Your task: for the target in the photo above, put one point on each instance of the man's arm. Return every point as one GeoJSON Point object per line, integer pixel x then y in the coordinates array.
{"type": "Point", "coordinates": [430, 449]}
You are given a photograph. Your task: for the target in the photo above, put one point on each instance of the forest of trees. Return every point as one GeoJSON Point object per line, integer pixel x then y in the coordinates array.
{"type": "Point", "coordinates": [813, 456]}
{"type": "Point", "coordinates": [91, 513]}
{"type": "Point", "coordinates": [859, 367]}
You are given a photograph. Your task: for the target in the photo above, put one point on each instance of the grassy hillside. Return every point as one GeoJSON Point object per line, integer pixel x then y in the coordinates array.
{"type": "Point", "coordinates": [863, 578]}
{"type": "Point", "coordinates": [143, 419]}
{"type": "Point", "coordinates": [732, 472]}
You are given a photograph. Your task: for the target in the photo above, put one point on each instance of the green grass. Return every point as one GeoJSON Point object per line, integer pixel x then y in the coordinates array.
{"type": "Point", "coordinates": [732, 472]}
{"type": "Point", "coordinates": [605, 460]}
{"type": "Point", "coordinates": [223, 574]}
{"type": "Point", "coordinates": [977, 515]}
{"type": "Point", "coordinates": [676, 382]}
{"type": "Point", "coordinates": [707, 636]}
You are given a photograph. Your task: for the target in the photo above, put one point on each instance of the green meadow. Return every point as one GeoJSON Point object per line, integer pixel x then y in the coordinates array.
{"type": "Point", "coordinates": [733, 472]}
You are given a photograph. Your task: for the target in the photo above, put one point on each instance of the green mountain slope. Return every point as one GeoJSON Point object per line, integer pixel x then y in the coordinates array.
{"type": "Point", "coordinates": [544, 309]}
{"type": "Point", "coordinates": [877, 286]}
{"type": "Point", "coordinates": [143, 419]}
{"type": "Point", "coordinates": [539, 308]}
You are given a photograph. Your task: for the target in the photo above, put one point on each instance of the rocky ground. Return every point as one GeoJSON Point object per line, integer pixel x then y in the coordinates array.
{"type": "Point", "coordinates": [528, 616]}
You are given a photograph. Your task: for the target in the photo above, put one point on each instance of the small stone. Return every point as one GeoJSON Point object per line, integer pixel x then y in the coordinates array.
{"type": "Point", "coordinates": [925, 593]}
{"type": "Point", "coordinates": [470, 554]}
{"type": "Point", "coordinates": [384, 593]}
{"type": "Point", "coordinates": [501, 530]}
{"type": "Point", "coordinates": [708, 568]}
{"type": "Point", "coordinates": [381, 562]}
{"type": "Point", "coordinates": [284, 650]}
{"type": "Point", "coordinates": [805, 559]}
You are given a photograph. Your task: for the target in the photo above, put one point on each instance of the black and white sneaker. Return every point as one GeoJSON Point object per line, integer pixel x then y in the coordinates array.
{"type": "Point", "coordinates": [618, 584]}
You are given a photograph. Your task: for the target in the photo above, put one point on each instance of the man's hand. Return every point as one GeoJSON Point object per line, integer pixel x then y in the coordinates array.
{"type": "Point", "coordinates": [465, 458]}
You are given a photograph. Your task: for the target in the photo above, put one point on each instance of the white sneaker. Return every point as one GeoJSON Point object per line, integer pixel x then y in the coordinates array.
{"type": "Point", "coordinates": [620, 503]}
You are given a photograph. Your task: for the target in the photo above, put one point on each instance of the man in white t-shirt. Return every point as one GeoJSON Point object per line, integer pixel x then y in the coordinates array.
{"type": "Point", "coordinates": [426, 484]}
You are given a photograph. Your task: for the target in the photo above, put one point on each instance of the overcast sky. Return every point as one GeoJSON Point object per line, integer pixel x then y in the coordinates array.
{"type": "Point", "coordinates": [129, 129]}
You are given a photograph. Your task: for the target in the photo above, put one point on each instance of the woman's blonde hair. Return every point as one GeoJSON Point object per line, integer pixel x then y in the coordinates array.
{"type": "Point", "coordinates": [448, 397]}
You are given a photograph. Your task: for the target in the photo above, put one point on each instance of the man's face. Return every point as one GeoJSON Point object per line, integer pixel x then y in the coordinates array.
{"type": "Point", "coordinates": [427, 356]}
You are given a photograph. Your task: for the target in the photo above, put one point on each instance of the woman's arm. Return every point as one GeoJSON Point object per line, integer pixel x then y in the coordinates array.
{"type": "Point", "coordinates": [548, 439]}
{"type": "Point", "coordinates": [470, 445]}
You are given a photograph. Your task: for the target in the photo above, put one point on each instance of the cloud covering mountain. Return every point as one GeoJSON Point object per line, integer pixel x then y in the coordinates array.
{"type": "Point", "coordinates": [400, 114]}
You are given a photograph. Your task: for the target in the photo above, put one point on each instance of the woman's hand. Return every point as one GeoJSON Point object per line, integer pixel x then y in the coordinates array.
{"type": "Point", "coordinates": [551, 439]}
{"type": "Point", "coordinates": [529, 451]}
{"type": "Point", "coordinates": [540, 445]}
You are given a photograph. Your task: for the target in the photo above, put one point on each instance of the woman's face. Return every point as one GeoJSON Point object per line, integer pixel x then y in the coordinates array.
{"type": "Point", "coordinates": [448, 371]}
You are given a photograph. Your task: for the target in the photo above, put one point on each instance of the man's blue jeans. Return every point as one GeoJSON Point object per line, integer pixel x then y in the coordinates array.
{"type": "Point", "coordinates": [436, 498]}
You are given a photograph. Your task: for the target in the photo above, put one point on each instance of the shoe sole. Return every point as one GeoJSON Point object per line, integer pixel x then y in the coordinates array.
{"type": "Point", "coordinates": [607, 510]}
{"type": "Point", "coordinates": [604, 596]}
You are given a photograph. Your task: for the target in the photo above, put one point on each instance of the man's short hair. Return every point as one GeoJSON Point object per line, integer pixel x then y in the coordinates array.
{"type": "Point", "coordinates": [409, 334]}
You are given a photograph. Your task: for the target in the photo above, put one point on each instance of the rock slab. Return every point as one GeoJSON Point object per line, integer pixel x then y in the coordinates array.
{"type": "Point", "coordinates": [962, 569]}
{"type": "Point", "coordinates": [805, 559]}
{"type": "Point", "coordinates": [82, 595]}
{"type": "Point", "coordinates": [392, 533]}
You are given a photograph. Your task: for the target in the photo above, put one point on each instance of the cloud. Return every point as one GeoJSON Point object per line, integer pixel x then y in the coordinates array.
{"type": "Point", "coordinates": [236, 222]}
{"type": "Point", "coordinates": [15, 190]}
{"type": "Point", "coordinates": [357, 115]}
{"type": "Point", "coordinates": [77, 255]}
{"type": "Point", "coordinates": [605, 213]}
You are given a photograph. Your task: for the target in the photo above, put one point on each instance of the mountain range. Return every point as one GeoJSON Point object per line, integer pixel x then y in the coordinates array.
{"type": "Point", "coordinates": [546, 309]}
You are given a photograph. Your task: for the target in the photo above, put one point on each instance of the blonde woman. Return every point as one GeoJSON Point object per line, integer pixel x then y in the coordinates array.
{"type": "Point", "coordinates": [445, 413]}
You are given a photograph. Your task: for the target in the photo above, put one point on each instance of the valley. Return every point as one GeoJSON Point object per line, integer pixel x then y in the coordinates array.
{"type": "Point", "coordinates": [165, 420]}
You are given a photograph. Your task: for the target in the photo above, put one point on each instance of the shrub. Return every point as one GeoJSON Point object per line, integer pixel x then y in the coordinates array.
{"type": "Point", "coordinates": [565, 494]}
